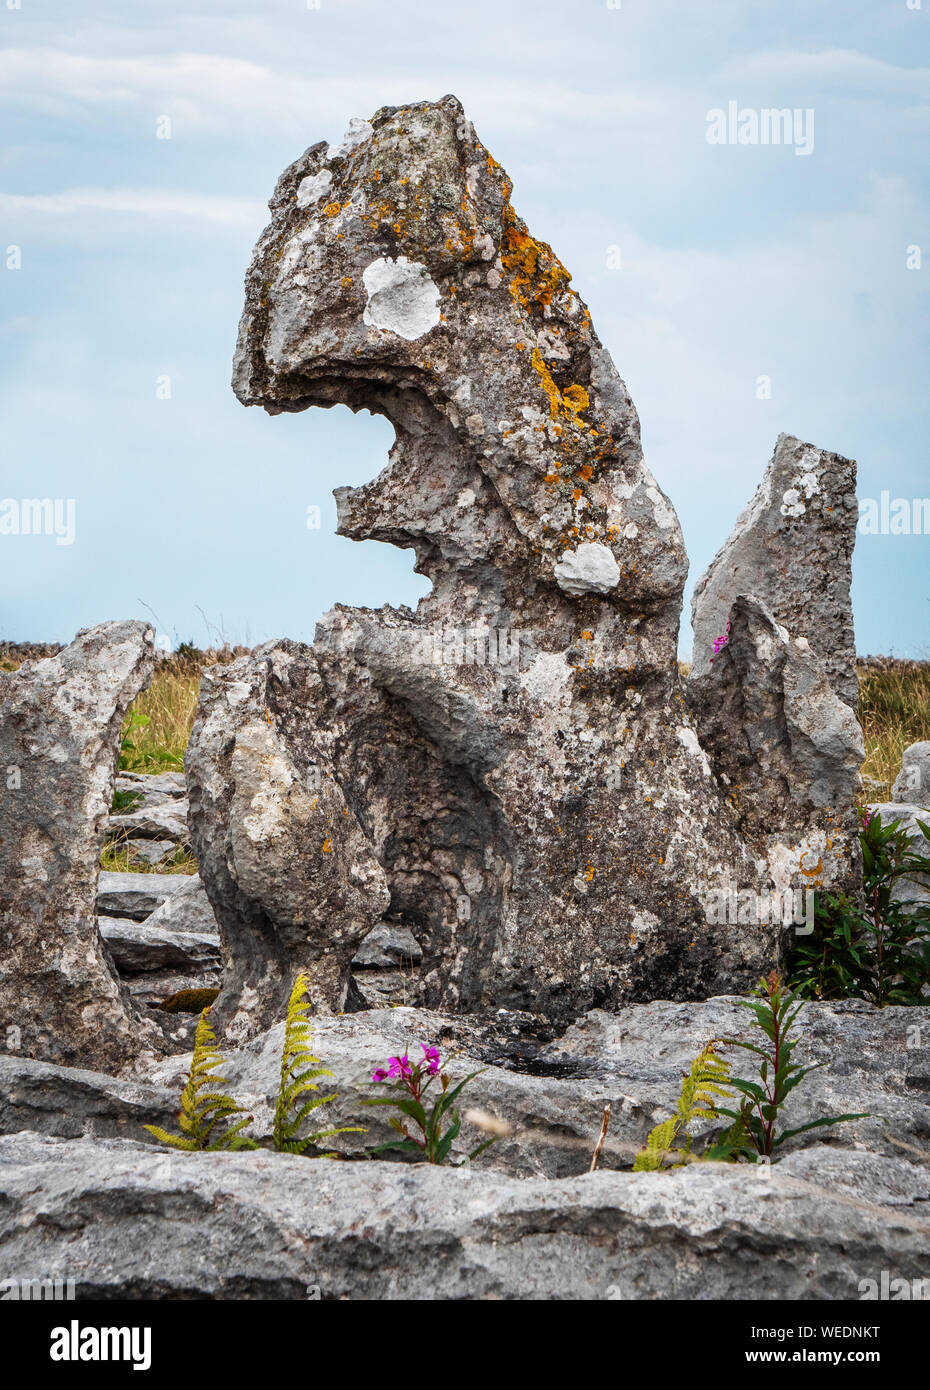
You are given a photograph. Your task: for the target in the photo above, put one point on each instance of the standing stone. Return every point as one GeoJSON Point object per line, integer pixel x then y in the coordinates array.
{"type": "Point", "coordinates": [529, 768]}
{"type": "Point", "coordinates": [791, 549]}
{"type": "Point", "coordinates": [285, 864]}
{"type": "Point", "coordinates": [60, 725]}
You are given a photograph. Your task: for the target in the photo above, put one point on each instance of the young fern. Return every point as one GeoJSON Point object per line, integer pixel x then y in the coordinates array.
{"type": "Point", "coordinates": [707, 1079]}
{"type": "Point", "coordinates": [299, 1070]}
{"type": "Point", "coordinates": [206, 1118]}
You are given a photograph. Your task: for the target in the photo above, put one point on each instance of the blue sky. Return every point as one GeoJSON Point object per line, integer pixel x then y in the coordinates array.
{"type": "Point", "coordinates": [735, 262]}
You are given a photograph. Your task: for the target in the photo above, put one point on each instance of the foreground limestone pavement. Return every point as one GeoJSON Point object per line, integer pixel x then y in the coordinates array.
{"type": "Point", "coordinates": [273, 1226]}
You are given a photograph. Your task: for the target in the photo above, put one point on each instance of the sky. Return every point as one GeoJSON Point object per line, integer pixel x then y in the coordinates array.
{"type": "Point", "coordinates": [742, 289]}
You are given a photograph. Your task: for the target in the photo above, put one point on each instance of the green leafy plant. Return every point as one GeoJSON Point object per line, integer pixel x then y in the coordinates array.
{"type": "Point", "coordinates": [754, 1133]}
{"type": "Point", "coordinates": [706, 1080]}
{"type": "Point", "coordinates": [299, 1070]}
{"type": "Point", "coordinates": [875, 948]}
{"type": "Point", "coordinates": [126, 801]}
{"type": "Point", "coordinates": [134, 721]}
{"type": "Point", "coordinates": [208, 1117]}
{"type": "Point", "coordinates": [410, 1085]}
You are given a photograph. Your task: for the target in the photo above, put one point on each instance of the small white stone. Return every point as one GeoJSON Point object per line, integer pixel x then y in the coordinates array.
{"type": "Point", "coordinates": [591, 569]}
{"type": "Point", "coordinates": [402, 297]}
{"type": "Point", "coordinates": [313, 187]}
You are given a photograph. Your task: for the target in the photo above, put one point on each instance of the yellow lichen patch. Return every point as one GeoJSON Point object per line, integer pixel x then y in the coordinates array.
{"type": "Point", "coordinates": [589, 873]}
{"type": "Point", "coordinates": [575, 399]}
{"type": "Point", "coordinates": [327, 846]}
{"type": "Point", "coordinates": [346, 281]}
{"type": "Point", "coordinates": [587, 636]}
{"type": "Point", "coordinates": [537, 272]}
{"type": "Point", "coordinates": [548, 385]}
{"type": "Point", "coordinates": [331, 209]}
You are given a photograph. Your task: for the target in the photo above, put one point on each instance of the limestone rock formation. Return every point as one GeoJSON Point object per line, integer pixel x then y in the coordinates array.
{"type": "Point", "coordinates": [516, 758]}
{"type": "Point", "coordinates": [60, 724]}
{"type": "Point", "coordinates": [773, 686]}
{"type": "Point", "coordinates": [791, 549]}
{"type": "Point", "coordinates": [516, 754]}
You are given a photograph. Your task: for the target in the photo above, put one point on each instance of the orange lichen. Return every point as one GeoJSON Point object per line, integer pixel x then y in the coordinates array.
{"type": "Point", "coordinates": [327, 846]}
{"type": "Point", "coordinates": [331, 209]}
{"type": "Point", "coordinates": [346, 281]}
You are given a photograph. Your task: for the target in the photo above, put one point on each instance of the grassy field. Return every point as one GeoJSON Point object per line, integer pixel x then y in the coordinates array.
{"type": "Point", "coordinates": [894, 711]}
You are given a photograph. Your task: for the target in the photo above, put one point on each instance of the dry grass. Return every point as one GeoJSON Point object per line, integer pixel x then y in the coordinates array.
{"type": "Point", "coordinates": [894, 711]}
{"type": "Point", "coordinates": [168, 707]}
{"type": "Point", "coordinates": [118, 859]}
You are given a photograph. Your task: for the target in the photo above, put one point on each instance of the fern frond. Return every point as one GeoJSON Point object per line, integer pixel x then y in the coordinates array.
{"type": "Point", "coordinates": [300, 1069]}
{"type": "Point", "coordinates": [204, 1108]}
{"type": "Point", "coordinates": [707, 1078]}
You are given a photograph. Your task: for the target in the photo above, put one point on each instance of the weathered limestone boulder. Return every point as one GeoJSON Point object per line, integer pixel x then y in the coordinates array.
{"type": "Point", "coordinates": [516, 754]}
{"type": "Point", "coordinates": [788, 748]}
{"type": "Point", "coordinates": [286, 865]}
{"type": "Point", "coordinates": [912, 783]}
{"type": "Point", "coordinates": [60, 724]}
{"type": "Point", "coordinates": [260, 1225]}
{"type": "Point", "coordinates": [773, 686]}
{"type": "Point", "coordinates": [791, 549]}
{"type": "Point", "coordinates": [73, 1103]}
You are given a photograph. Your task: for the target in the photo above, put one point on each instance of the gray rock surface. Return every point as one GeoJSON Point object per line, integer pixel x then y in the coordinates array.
{"type": "Point", "coordinates": [187, 909]}
{"type": "Point", "coordinates": [257, 1225]}
{"type": "Point", "coordinates": [71, 1103]}
{"type": "Point", "coordinates": [791, 549]}
{"type": "Point", "coordinates": [788, 748]}
{"type": "Point", "coordinates": [516, 755]}
{"type": "Point", "coordinates": [385, 946]}
{"type": "Point", "coordinates": [912, 784]}
{"type": "Point", "coordinates": [60, 727]}
{"type": "Point", "coordinates": [138, 895]}
{"type": "Point", "coordinates": [155, 787]}
{"type": "Point", "coordinates": [168, 820]}
{"type": "Point", "coordinates": [137, 947]}
{"type": "Point", "coordinates": [285, 863]}
{"type": "Point", "coordinates": [150, 851]}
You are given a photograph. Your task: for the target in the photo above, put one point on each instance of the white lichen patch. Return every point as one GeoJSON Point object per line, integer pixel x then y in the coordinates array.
{"type": "Point", "coordinates": [689, 741]}
{"type": "Point", "coordinates": [591, 569]}
{"type": "Point", "coordinates": [313, 188]}
{"type": "Point", "coordinates": [795, 498]}
{"type": "Point", "coordinates": [548, 677]}
{"type": "Point", "coordinates": [402, 297]}
{"type": "Point", "coordinates": [357, 134]}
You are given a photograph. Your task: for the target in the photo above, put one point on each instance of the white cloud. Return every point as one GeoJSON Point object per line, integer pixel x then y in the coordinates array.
{"type": "Point", "coordinates": [830, 68]}
{"type": "Point", "coordinates": [133, 202]}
